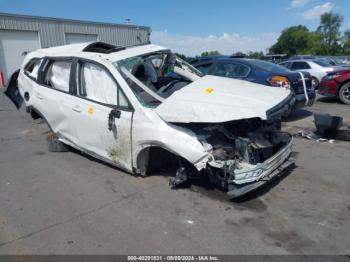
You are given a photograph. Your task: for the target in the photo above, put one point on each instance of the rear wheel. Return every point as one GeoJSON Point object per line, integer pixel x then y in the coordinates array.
{"type": "Point", "coordinates": [344, 93]}
{"type": "Point", "coordinates": [54, 145]}
{"type": "Point", "coordinates": [314, 82]}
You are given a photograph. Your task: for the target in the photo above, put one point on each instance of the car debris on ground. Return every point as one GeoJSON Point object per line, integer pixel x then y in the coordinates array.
{"type": "Point", "coordinates": [329, 128]}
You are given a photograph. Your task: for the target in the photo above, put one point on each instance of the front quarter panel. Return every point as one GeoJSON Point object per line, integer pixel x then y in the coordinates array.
{"type": "Point", "coordinates": [150, 130]}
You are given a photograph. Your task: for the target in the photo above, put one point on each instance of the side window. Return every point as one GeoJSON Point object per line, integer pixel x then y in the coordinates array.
{"type": "Point", "coordinates": [300, 65]}
{"type": "Point", "coordinates": [97, 84]}
{"type": "Point", "coordinates": [32, 68]}
{"type": "Point", "coordinates": [286, 64]}
{"type": "Point", "coordinates": [57, 75]}
{"type": "Point", "coordinates": [122, 101]}
{"type": "Point", "coordinates": [307, 66]}
{"type": "Point", "coordinates": [204, 68]}
{"type": "Point", "coordinates": [231, 69]}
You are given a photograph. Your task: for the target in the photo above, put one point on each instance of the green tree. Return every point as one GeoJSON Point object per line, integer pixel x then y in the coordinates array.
{"type": "Point", "coordinates": [315, 44]}
{"type": "Point", "coordinates": [346, 43]}
{"type": "Point", "coordinates": [207, 53]}
{"type": "Point", "coordinates": [293, 40]}
{"type": "Point", "coordinates": [256, 55]}
{"type": "Point", "coordinates": [239, 54]}
{"type": "Point", "coordinates": [329, 30]}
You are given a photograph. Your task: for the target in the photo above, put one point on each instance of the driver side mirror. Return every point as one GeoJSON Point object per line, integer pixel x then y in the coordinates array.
{"type": "Point", "coordinates": [115, 113]}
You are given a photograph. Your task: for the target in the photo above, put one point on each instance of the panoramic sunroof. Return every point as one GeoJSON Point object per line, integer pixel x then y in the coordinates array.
{"type": "Point", "coordinates": [101, 47]}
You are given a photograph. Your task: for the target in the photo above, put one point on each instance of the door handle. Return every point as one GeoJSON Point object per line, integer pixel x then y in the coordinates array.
{"type": "Point", "coordinates": [77, 108]}
{"type": "Point", "coordinates": [39, 96]}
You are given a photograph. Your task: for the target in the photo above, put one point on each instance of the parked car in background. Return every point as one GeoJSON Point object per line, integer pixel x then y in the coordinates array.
{"type": "Point", "coordinates": [332, 60]}
{"type": "Point", "coordinates": [143, 109]}
{"type": "Point", "coordinates": [317, 68]}
{"type": "Point", "coordinates": [258, 71]}
{"type": "Point", "coordinates": [336, 84]}
{"type": "Point", "coordinates": [346, 60]}
{"type": "Point", "coordinates": [299, 57]}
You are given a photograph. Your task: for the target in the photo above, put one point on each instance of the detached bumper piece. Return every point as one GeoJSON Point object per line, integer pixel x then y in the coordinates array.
{"type": "Point", "coordinates": [236, 191]}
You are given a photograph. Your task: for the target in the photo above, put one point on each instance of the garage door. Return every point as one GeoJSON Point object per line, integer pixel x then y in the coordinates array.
{"type": "Point", "coordinates": [12, 46]}
{"type": "Point", "coordinates": [79, 38]}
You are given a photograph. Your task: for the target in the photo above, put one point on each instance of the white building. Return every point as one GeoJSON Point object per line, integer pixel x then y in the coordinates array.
{"type": "Point", "coordinates": [20, 34]}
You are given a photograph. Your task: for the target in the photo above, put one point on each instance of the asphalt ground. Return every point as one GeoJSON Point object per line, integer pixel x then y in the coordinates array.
{"type": "Point", "coordinates": [70, 203]}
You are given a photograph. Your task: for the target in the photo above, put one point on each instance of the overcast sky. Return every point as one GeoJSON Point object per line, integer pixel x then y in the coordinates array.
{"type": "Point", "coordinates": [194, 26]}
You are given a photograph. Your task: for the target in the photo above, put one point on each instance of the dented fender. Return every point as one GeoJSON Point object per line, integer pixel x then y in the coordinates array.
{"type": "Point", "coordinates": [154, 132]}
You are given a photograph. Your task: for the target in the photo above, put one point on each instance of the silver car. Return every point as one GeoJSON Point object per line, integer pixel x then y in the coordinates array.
{"type": "Point", "coordinates": [316, 67]}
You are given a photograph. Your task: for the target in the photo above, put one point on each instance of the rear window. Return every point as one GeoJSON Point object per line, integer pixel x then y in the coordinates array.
{"type": "Point", "coordinates": [286, 64]}
{"type": "Point", "coordinates": [270, 67]}
{"type": "Point", "coordinates": [204, 68]}
{"type": "Point", "coordinates": [32, 68]}
{"type": "Point", "coordinates": [322, 63]}
{"type": "Point", "coordinates": [230, 69]}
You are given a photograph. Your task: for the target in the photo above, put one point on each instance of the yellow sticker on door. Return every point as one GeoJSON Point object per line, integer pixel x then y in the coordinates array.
{"type": "Point", "coordinates": [208, 90]}
{"type": "Point", "coordinates": [90, 110]}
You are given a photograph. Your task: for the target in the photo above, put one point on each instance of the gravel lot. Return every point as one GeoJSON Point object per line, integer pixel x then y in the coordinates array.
{"type": "Point", "coordinates": [69, 203]}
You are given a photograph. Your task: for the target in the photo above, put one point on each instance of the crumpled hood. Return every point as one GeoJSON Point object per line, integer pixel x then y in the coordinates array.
{"type": "Point", "coordinates": [213, 99]}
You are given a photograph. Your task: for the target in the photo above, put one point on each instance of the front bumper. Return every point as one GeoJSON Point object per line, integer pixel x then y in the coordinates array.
{"type": "Point", "coordinates": [328, 88]}
{"type": "Point", "coordinates": [236, 191]}
{"type": "Point", "coordinates": [249, 179]}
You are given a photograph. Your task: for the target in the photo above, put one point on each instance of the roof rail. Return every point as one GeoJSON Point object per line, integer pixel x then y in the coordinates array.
{"type": "Point", "coordinates": [102, 47]}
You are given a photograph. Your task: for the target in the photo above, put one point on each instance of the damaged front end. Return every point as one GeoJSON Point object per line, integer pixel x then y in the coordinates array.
{"type": "Point", "coordinates": [244, 154]}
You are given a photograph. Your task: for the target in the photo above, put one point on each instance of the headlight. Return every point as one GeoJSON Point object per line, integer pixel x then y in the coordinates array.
{"type": "Point", "coordinates": [330, 77]}
{"type": "Point", "coordinates": [279, 81]}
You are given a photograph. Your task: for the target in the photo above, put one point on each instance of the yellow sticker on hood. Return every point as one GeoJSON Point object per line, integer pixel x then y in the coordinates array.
{"type": "Point", "coordinates": [90, 110]}
{"type": "Point", "coordinates": [208, 90]}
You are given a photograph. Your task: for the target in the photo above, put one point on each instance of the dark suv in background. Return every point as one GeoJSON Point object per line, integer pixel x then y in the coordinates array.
{"type": "Point", "coordinates": [261, 72]}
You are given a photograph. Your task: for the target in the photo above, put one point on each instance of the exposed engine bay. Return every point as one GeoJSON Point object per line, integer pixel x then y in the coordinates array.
{"type": "Point", "coordinates": [242, 151]}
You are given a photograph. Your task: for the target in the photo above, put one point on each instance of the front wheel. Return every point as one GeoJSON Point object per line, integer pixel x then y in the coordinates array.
{"type": "Point", "coordinates": [344, 93]}
{"type": "Point", "coordinates": [54, 145]}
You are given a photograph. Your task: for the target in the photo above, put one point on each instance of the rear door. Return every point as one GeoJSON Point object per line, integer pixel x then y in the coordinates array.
{"type": "Point", "coordinates": [53, 97]}
{"type": "Point", "coordinates": [14, 91]}
{"type": "Point", "coordinates": [102, 114]}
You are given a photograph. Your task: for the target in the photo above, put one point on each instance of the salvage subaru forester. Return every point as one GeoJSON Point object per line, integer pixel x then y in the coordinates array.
{"type": "Point", "coordinates": [140, 108]}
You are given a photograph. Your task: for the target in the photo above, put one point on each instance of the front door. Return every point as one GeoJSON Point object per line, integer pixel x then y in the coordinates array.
{"type": "Point", "coordinates": [102, 115]}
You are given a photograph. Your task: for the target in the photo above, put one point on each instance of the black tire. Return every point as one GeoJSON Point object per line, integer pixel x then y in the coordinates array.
{"type": "Point", "coordinates": [34, 115]}
{"type": "Point", "coordinates": [314, 82]}
{"type": "Point", "coordinates": [54, 145]}
{"type": "Point", "coordinates": [344, 93]}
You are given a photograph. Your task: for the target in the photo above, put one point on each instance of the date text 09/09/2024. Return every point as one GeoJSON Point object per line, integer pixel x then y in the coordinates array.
{"type": "Point", "coordinates": [173, 258]}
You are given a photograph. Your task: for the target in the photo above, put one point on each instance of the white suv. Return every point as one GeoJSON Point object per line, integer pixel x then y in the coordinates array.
{"type": "Point", "coordinates": [142, 107]}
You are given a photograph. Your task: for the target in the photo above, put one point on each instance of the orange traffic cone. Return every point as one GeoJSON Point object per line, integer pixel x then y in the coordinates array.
{"type": "Point", "coordinates": [2, 79]}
